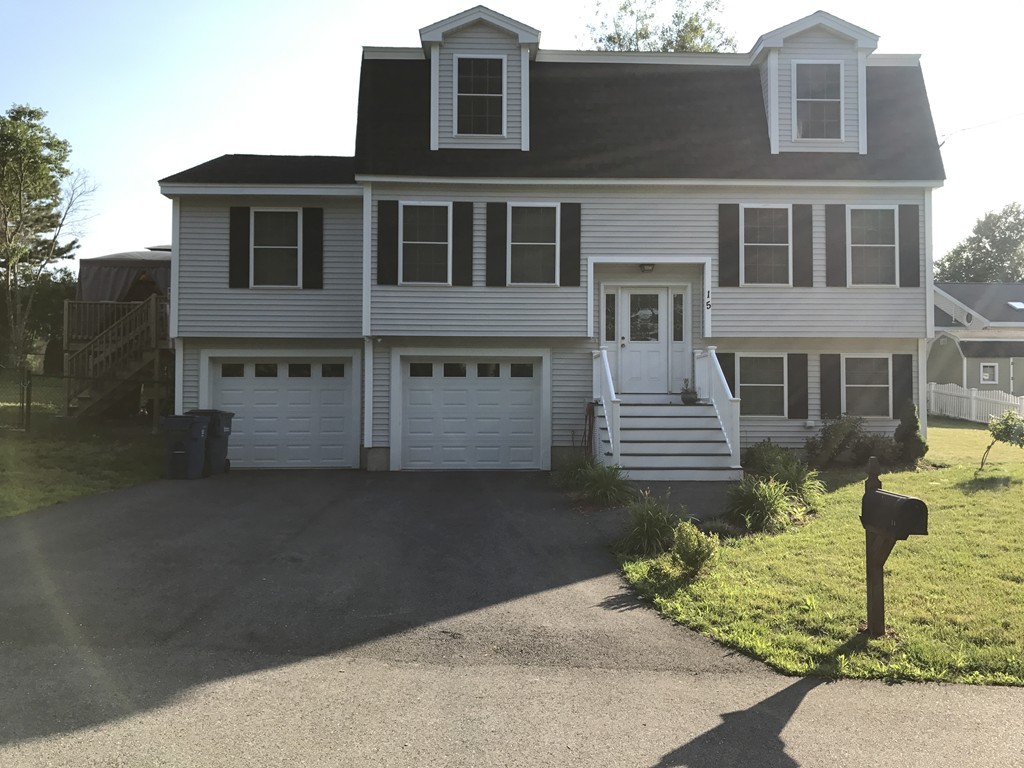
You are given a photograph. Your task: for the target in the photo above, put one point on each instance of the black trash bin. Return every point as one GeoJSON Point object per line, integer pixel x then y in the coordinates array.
{"type": "Point", "coordinates": [185, 438]}
{"type": "Point", "coordinates": [216, 440]}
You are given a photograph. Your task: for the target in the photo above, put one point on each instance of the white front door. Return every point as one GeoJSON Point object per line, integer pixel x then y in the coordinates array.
{"type": "Point", "coordinates": [643, 340]}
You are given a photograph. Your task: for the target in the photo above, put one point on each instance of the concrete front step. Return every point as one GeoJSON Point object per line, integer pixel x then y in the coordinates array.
{"type": "Point", "coordinates": [729, 474]}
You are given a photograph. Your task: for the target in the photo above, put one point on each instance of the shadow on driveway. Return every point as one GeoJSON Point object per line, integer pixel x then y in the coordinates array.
{"type": "Point", "coordinates": [112, 605]}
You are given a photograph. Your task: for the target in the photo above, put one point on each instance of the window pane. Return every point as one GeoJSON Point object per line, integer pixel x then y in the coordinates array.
{"type": "Point", "coordinates": [480, 76]}
{"type": "Point", "coordinates": [425, 223]}
{"type": "Point", "coordinates": [867, 370]}
{"type": "Point", "coordinates": [522, 370]}
{"type": "Point", "coordinates": [266, 370]}
{"type": "Point", "coordinates": [424, 263]}
{"type": "Point", "coordinates": [873, 265]}
{"type": "Point", "coordinates": [455, 370]}
{"type": "Point", "coordinates": [488, 370]}
{"type": "Point", "coordinates": [766, 264]}
{"type": "Point", "coordinates": [762, 401]}
{"type": "Point", "coordinates": [332, 370]}
{"type": "Point", "coordinates": [677, 317]}
{"type": "Point", "coordinates": [872, 227]}
{"type": "Point", "coordinates": [480, 115]}
{"type": "Point", "coordinates": [761, 370]}
{"type": "Point", "coordinates": [818, 120]}
{"type": "Point", "coordinates": [299, 370]}
{"type": "Point", "coordinates": [533, 225]}
{"type": "Point", "coordinates": [643, 316]}
{"type": "Point", "coordinates": [867, 401]}
{"type": "Point", "coordinates": [275, 266]}
{"type": "Point", "coordinates": [817, 81]}
{"type": "Point", "coordinates": [609, 316]}
{"type": "Point", "coordinates": [533, 264]}
{"type": "Point", "coordinates": [232, 370]}
{"type": "Point", "coordinates": [988, 373]}
{"type": "Point", "coordinates": [766, 225]}
{"type": "Point", "coordinates": [275, 228]}
{"type": "Point", "coordinates": [421, 370]}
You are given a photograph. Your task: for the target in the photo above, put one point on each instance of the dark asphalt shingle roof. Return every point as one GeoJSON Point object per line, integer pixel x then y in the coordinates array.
{"type": "Point", "coordinates": [992, 348]}
{"type": "Point", "coordinates": [990, 300]}
{"type": "Point", "coordinates": [268, 169]}
{"type": "Point", "coordinates": [600, 120]}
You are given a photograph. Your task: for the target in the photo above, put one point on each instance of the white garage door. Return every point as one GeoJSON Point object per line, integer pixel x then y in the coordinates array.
{"type": "Point", "coordinates": [471, 414]}
{"type": "Point", "coordinates": [289, 413]}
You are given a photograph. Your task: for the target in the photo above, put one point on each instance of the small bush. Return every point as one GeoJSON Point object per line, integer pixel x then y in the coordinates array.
{"type": "Point", "coordinates": [835, 442]}
{"type": "Point", "coordinates": [882, 447]}
{"type": "Point", "coordinates": [768, 460]}
{"type": "Point", "coordinates": [665, 573]}
{"type": "Point", "coordinates": [762, 505]}
{"type": "Point", "coordinates": [587, 481]}
{"type": "Point", "coordinates": [908, 435]}
{"type": "Point", "coordinates": [1008, 428]}
{"type": "Point", "coordinates": [694, 550]}
{"type": "Point", "coordinates": [570, 476]}
{"type": "Point", "coordinates": [650, 528]}
{"type": "Point", "coordinates": [763, 459]}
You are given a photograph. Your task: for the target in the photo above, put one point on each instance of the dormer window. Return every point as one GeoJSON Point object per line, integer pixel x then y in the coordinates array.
{"type": "Point", "coordinates": [818, 100]}
{"type": "Point", "coordinates": [480, 95]}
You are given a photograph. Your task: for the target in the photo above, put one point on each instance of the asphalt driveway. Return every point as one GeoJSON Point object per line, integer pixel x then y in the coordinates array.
{"type": "Point", "coordinates": [347, 618]}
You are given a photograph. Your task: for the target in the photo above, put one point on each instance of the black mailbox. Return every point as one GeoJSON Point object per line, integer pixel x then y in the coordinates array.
{"type": "Point", "coordinates": [894, 515]}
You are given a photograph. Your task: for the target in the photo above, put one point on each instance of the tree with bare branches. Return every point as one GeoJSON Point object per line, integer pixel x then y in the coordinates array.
{"type": "Point", "coordinates": [40, 201]}
{"type": "Point", "coordinates": [632, 25]}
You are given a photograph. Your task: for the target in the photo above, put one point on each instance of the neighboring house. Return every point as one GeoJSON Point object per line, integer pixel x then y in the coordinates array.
{"type": "Point", "coordinates": [979, 336]}
{"type": "Point", "coordinates": [521, 231]}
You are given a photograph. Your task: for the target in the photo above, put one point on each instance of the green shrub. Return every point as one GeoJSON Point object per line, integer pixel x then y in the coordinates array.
{"type": "Point", "coordinates": [570, 476]}
{"type": "Point", "coordinates": [665, 573]}
{"type": "Point", "coordinates": [1008, 428]}
{"type": "Point", "coordinates": [768, 460]}
{"type": "Point", "coordinates": [911, 446]}
{"type": "Point", "coordinates": [835, 442]}
{"type": "Point", "coordinates": [694, 550]}
{"type": "Point", "coordinates": [604, 485]}
{"type": "Point", "coordinates": [762, 505]}
{"type": "Point", "coordinates": [763, 459]}
{"type": "Point", "coordinates": [882, 447]}
{"type": "Point", "coordinates": [650, 528]}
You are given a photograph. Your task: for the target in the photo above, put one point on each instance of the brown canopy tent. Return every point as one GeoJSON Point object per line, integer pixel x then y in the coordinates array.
{"type": "Point", "coordinates": [129, 276]}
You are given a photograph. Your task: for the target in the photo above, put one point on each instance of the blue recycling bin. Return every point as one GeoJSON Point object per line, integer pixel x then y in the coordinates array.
{"type": "Point", "coordinates": [185, 440]}
{"type": "Point", "coordinates": [217, 437]}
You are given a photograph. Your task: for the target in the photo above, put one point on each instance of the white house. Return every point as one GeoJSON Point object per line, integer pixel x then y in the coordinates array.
{"type": "Point", "coordinates": [524, 231]}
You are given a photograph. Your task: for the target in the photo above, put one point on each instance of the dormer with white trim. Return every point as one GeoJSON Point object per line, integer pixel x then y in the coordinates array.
{"type": "Point", "coordinates": [479, 80]}
{"type": "Point", "coordinates": [813, 75]}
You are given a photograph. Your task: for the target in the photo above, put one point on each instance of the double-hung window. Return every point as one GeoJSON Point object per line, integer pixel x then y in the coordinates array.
{"type": "Point", "coordinates": [533, 244]}
{"type": "Point", "coordinates": [276, 258]}
{"type": "Point", "coordinates": [480, 96]}
{"type": "Point", "coordinates": [425, 254]}
{"type": "Point", "coordinates": [818, 100]}
{"type": "Point", "coordinates": [866, 386]}
{"type": "Point", "coordinates": [767, 246]}
{"type": "Point", "coordinates": [873, 240]}
{"type": "Point", "coordinates": [762, 385]}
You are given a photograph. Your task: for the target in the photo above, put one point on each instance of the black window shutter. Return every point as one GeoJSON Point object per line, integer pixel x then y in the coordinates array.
{"type": "Point", "coordinates": [902, 382]}
{"type": "Point", "coordinates": [497, 243]}
{"type": "Point", "coordinates": [728, 244]}
{"type": "Point", "coordinates": [312, 247]}
{"type": "Point", "coordinates": [910, 247]}
{"type": "Point", "coordinates": [462, 244]}
{"type": "Point", "coordinates": [831, 387]}
{"type": "Point", "coordinates": [803, 246]}
{"type": "Point", "coordinates": [238, 248]}
{"type": "Point", "coordinates": [728, 362]}
{"type": "Point", "coordinates": [569, 257]}
{"type": "Point", "coordinates": [835, 245]}
{"type": "Point", "coordinates": [387, 242]}
{"type": "Point", "coordinates": [796, 378]}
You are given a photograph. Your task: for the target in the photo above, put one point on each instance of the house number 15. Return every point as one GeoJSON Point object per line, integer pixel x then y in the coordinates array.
{"type": "Point", "coordinates": [707, 302]}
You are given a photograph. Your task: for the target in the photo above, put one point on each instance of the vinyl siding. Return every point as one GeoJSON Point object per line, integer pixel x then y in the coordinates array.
{"type": "Point", "coordinates": [650, 222]}
{"type": "Point", "coordinates": [819, 45]}
{"type": "Point", "coordinates": [793, 433]}
{"type": "Point", "coordinates": [207, 307]}
{"type": "Point", "coordinates": [480, 39]}
{"type": "Point", "coordinates": [945, 363]}
{"type": "Point", "coordinates": [1002, 383]}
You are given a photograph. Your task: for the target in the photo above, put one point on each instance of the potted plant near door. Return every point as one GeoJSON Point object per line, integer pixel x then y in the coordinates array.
{"type": "Point", "coordinates": [689, 394]}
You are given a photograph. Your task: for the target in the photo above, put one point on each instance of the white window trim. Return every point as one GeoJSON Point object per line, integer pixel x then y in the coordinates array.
{"type": "Point", "coordinates": [995, 374]}
{"type": "Point", "coordinates": [558, 243]}
{"type": "Point", "coordinates": [896, 245]}
{"type": "Point", "coordinates": [743, 244]}
{"type": "Point", "coordinates": [401, 238]}
{"type": "Point", "coordinates": [504, 95]}
{"type": "Point", "coordinates": [842, 101]}
{"type": "Point", "coordinates": [861, 356]}
{"type": "Point", "coordinates": [252, 248]}
{"type": "Point", "coordinates": [785, 384]}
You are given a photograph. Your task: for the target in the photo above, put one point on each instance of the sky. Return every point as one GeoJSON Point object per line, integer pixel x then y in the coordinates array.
{"type": "Point", "coordinates": [143, 90]}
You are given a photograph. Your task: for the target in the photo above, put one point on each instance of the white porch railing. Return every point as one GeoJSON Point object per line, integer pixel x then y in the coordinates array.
{"type": "Point", "coordinates": [604, 393]}
{"type": "Point", "coordinates": [970, 404]}
{"type": "Point", "coordinates": [711, 385]}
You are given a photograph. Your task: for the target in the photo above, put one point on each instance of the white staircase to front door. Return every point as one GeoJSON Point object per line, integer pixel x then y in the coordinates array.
{"type": "Point", "coordinates": [662, 439]}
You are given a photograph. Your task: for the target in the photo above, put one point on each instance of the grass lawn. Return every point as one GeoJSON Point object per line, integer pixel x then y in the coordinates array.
{"type": "Point", "coordinates": [54, 464]}
{"type": "Point", "coordinates": [954, 598]}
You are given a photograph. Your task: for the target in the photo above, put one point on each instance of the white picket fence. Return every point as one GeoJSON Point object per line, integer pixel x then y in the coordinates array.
{"type": "Point", "coordinates": [970, 404]}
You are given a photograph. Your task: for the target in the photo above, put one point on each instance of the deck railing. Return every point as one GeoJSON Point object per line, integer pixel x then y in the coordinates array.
{"type": "Point", "coordinates": [712, 385]}
{"type": "Point", "coordinates": [85, 320]}
{"type": "Point", "coordinates": [604, 393]}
